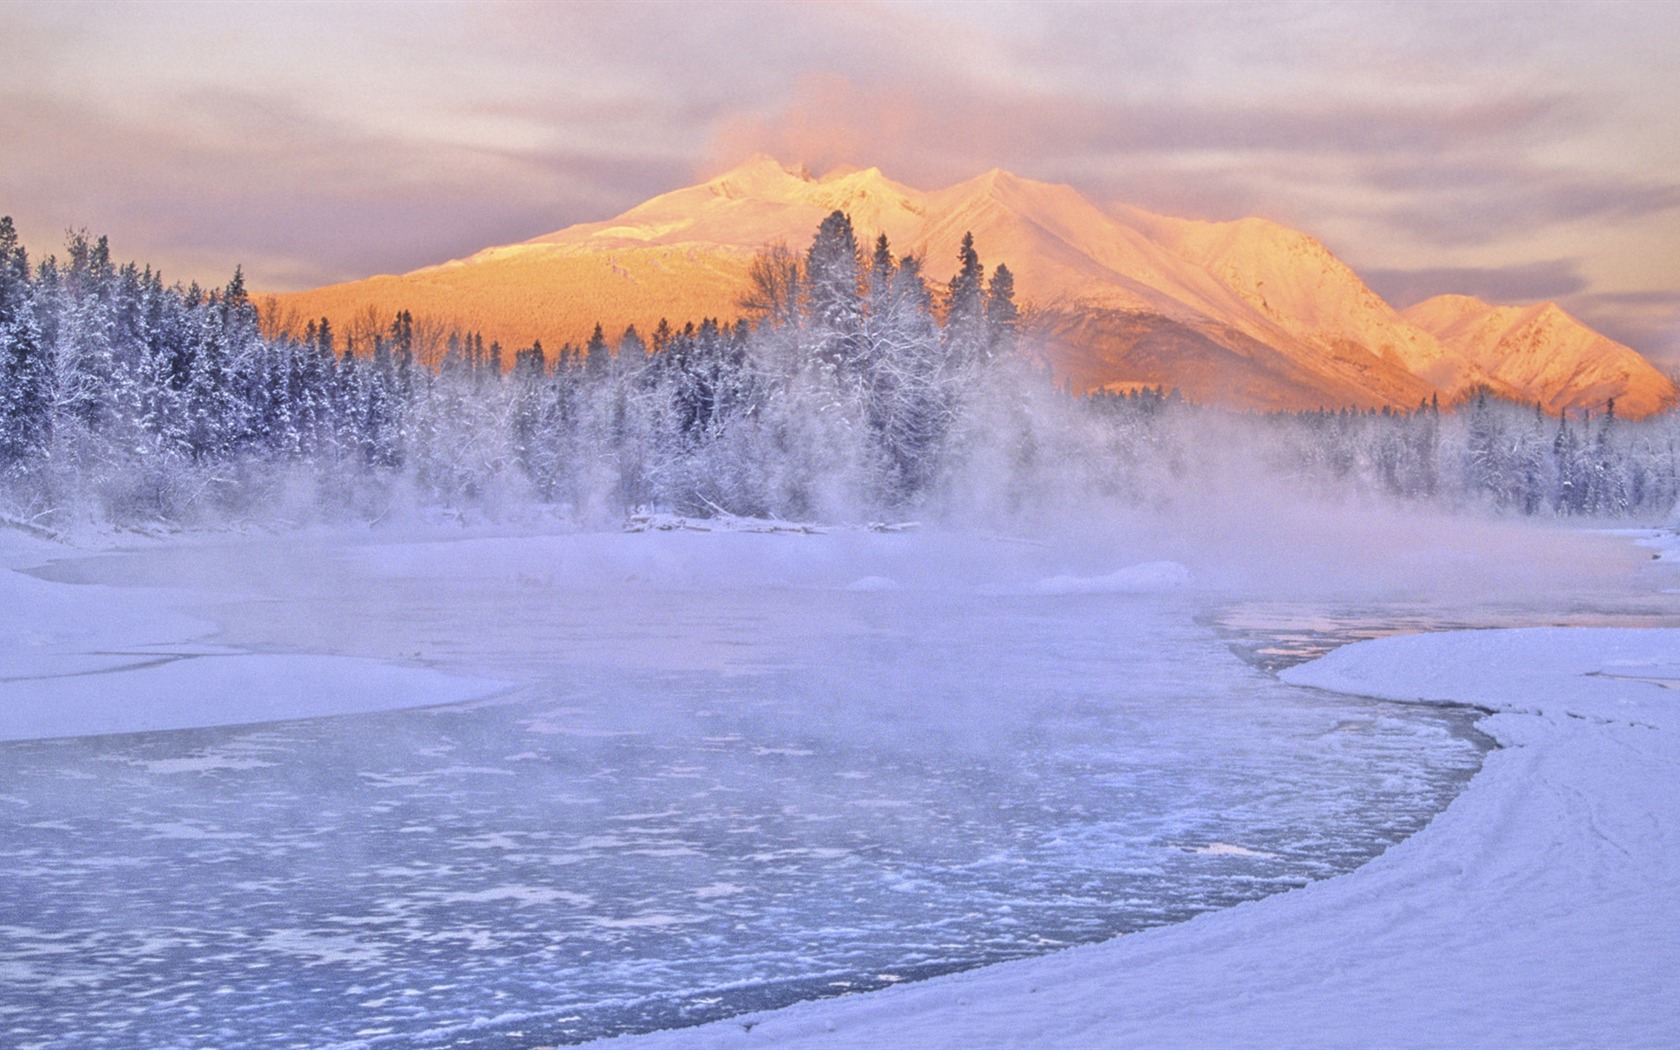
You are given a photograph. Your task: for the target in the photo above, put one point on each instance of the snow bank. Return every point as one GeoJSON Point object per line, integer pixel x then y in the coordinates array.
{"type": "Point", "coordinates": [684, 558]}
{"type": "Point", "coordinates": [1537, 910]}
{"type": "Point", "coordinates": [155, 689]}
{"type": "Point", "coordinates": [1610, 675]}
{"type": "Point", "coordinates": [85, 659]}
{"type": "Point", "coordinates": [89, 658]}
{"type": "Point", "coordinates": [51, 628]}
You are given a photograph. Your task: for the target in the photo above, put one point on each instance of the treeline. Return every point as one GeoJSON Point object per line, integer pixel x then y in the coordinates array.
{"type": "Point", "coordinates": [124, 398]}
{"type": "Point", "coordinates": [1501, 454]}
{"type": "Point", "coordinates": [1489, 452]}
{"type": "Point", "coordinates": [853, 387]}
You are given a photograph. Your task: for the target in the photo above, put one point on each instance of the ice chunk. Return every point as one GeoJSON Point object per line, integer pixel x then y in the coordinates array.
{"type": "Point", "coordinates": [1148, 578]}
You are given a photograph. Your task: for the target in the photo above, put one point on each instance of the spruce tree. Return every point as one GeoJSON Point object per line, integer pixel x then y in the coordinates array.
{"type": "Point", "coordinates": [965, 311]}
{"type": "Point", "coordinates": [14, 271]}
{"type": "Point", "coordinates": [597, 359]}
{"type": "Point", "coordinates": [632, 352]}
{"type": "Point", "coordinates": [25, 388]}
{"type": "Point", "coordinates": [833, 304]}
{"type": "Point", "coordinates": [25, 413]}
{"type": "Point", "coordinates": [1002, 316]}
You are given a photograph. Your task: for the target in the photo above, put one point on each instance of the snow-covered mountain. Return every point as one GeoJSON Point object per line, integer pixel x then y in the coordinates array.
{"type": "Point", "coordinates": [1246, 313]}
{"type": "Point", "coordinates": [1545, 353]}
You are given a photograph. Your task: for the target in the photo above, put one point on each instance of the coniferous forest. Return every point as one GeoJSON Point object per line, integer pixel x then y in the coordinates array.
{"type": "Point", "coordinates": [850, 389]}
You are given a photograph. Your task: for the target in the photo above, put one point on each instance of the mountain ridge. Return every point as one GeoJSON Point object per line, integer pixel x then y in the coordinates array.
{"type": "Point", "coordinates": [1247, 313]}
{"type": "Point", "coordinates": [1541, 349]}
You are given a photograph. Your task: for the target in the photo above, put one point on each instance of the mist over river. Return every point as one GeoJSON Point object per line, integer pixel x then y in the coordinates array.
{"type": "Point", "coordinates": [731, 772]}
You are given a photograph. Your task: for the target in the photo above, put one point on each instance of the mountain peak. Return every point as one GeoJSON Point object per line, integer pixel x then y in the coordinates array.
{"type": "Point", "coordinates": [997, 181]}
{"type": "Point", "coordinates": [847, 171]}
{"type": "Point", "coordinates": [1251, 313]}
{"type": "Point", "coordinates": [1453, 308]}
{"type": "Point", "coordinates": [760, 175]}
{"type": "Point", "coordinates": [1450, 303]}
{"type": "Point", "coordinates": [764, 164]}
{"type": "Point", "coordinates": [1544, 352]}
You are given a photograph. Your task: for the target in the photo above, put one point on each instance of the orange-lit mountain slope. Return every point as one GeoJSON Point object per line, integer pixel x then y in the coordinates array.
{"type": "Point", "coordinates": [1546, 354]}
{"type": "Point", "coordinates": [1246, 313]}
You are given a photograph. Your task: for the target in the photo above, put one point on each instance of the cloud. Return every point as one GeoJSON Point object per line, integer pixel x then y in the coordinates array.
{"type": "Point", "coordinates": [957, 131]}
{"type": "Point", "coordinates": [299, 199]}
{"type": "Point", "coordinates": [1523, 283]}
{"type": "Point", "coordinates": [330, 141]}
{"type": "Point", "coordinates": [1477, 200]}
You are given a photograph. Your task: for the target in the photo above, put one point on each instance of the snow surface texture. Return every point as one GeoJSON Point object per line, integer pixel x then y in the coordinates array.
{"type": "Point", "coordinates": [1537, 910]}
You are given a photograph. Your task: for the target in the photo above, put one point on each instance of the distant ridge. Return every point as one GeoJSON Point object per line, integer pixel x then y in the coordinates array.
{"type": "Point", "coordinates": [1545, 353]}
{"type": "Point", "coordinates": [1249, 313]}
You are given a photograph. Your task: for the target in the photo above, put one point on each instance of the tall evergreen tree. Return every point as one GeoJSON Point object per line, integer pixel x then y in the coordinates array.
{"type": "Point", "coordinates": [1002, 316]}
{"type": "Point", "coordinates": [597, 360]}
{"type": "Point", "coordinates": [14, 271]}
{"type": "Point", "coordinates": [833, 301]}
{"type": "Point", "coordinates": [632, 355]}
{"type": "Point", "coordinates": [965, 310]}
{"type": "Point", "coordinates": [25, 409]}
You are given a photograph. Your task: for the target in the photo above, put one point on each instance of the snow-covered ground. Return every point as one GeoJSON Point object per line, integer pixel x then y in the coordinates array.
{"type": "Point", "coordinates": [1536, 909]}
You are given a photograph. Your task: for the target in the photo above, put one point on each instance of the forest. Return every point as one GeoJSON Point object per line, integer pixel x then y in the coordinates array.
{"type": "Point", "coordinates": [851, 389]}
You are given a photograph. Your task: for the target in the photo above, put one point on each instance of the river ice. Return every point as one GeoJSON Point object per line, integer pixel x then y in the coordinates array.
{"type": "Point", "coordinates": [705, 774]}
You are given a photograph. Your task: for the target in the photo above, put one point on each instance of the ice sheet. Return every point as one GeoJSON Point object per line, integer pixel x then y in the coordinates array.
{"type": "Point", "coordinates": [725, 781]}
{"type": "Point", "coordinates": [85, 659]}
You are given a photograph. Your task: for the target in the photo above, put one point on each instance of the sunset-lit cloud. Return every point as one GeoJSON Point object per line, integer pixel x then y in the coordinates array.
{"type": "Point", "coordinates": [1517, 151]}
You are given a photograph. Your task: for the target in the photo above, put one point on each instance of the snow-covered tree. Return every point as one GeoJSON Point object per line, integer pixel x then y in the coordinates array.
{"type": "Point", "coordinates": [848, 392]}
{"type": "Point", "coordinates": [833, 301]}
{"type": "Point", "coordinates": [966, 341]}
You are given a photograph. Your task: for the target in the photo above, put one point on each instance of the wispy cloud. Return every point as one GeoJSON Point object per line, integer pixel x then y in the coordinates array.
{"type": "Point", "coordinates": [1524, 283]}
{"type": "Point", "coordinates": [1649, 321]}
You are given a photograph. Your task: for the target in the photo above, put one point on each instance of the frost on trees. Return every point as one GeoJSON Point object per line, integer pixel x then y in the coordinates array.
{"type": "Point", "coordinates": [852, 387]}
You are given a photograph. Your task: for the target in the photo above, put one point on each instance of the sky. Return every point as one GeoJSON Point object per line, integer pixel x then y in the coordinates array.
{"type": "Point", "coordinates": [1517, 151]}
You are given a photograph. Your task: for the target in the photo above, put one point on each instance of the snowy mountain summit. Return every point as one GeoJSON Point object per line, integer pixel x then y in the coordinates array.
{"type": "Point", "coordinates": [1249, 313]}
{"type": "Point", "coordinates": [1544, 353]}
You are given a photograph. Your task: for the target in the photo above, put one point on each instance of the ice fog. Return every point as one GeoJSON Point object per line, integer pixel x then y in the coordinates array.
{"type": "Point", "coordinates": [701, 772]}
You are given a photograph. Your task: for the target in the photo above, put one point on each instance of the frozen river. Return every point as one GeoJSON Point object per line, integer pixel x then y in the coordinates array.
{"type": "Point", "coordinates": [698, 799]}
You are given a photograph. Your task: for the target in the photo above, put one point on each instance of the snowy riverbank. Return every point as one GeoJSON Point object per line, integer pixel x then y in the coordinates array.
{"type": "Point", "coordinates": [90, 659]}
{"type": "Point", "coordinates": [1537, 910]}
